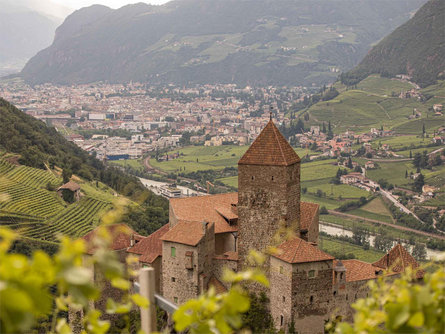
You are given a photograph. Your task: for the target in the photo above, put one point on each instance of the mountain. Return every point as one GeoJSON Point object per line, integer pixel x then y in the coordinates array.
{"type": "Point", "coordinates": [39, 148]}
{"type": "Point", "coordinates": [219, 41]}
{"type": "Point", "coordinates": [417, 49]}
{"type": "Point", "coordinates": [26, 27]}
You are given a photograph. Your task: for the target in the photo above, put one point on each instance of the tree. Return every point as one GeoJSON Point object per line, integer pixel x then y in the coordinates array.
{"type": "Point", "coordinates": [66, 175]}
{"type": "Point", "coordinates": [349, 165]}
{"type": "Point", "coordinates": [417, 160]}
{"type": "Point", "coordinates": [382, 241]}
{"type": "Point", "coordinates": [419, 182]}
{"type": "Point", "coordinates": [403, 306]}
{"type": "Point", "coordinates": [323, 210]}
{"type": "Point", "coordinates": [419, 252]}
{"type": "Point", "coordinates": [360, 236]}
{"type": "Point", "coordinates": [258, 319]}
{"type": "Point", "coordinates": [437, 161]}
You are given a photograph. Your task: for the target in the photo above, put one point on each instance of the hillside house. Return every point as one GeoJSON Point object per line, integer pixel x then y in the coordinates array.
{"type": "Point", "coordinates": [72, 188]}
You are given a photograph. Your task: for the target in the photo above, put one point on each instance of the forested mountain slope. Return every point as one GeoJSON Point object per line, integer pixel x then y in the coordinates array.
{"type": "Point", "coordinates": [219, 41]}
{"type": "Point", "coordinates": [417, 49]}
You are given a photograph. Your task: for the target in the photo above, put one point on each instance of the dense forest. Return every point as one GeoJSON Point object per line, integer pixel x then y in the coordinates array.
{"type": "Point", "coordinates": [39, 145]}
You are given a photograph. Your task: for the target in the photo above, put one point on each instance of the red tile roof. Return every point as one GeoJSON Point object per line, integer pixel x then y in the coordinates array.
{"type": "Point", "coordinates": [121, 236]}
{"type": "Point", "coordinates": [397, 260]}
{"type": "Point", "coordinates": [219, 287]}
{"type": "Point", "coordinates": [226, 212]}
{"type": "Point", "coordinates": [308, 211]}
{"type": "Point", "coordinates": [204, 208]}
{"type": "Point", "coordinates": [270, 148]}
{"type": "Point", "coordinates": [231, 256]}
{"type": "Point", "coordinates": [297, 250]}
{"type": "Point", "coordinates": [187, 233]}
{"type": "Point", "coordinates": [150, 247]}
{"type": "Point", "coordinates": [357, 270]}
{"type": "Point", "coordinates": [73, 186]}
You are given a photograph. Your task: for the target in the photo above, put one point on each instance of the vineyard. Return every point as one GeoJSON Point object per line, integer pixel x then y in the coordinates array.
{"type": "Point", "coordinates": [30, 205]}
{"type": "Point", "coordinates": [77, 220]}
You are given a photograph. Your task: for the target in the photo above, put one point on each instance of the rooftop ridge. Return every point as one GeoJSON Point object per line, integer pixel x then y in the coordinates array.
{"type": "Point", "coordinates": [270, 148]}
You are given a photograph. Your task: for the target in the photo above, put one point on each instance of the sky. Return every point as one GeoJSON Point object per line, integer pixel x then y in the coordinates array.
{"type": "Point", "coordinates": [76, 4]}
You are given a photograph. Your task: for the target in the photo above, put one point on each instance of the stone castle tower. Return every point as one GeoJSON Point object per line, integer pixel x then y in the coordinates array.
{"type": "Point", "coordinates": [268, 191]}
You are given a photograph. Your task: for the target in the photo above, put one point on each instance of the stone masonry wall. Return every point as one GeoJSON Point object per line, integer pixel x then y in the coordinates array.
{"type": "Point", "coordinates": [224, 242]}
{"type": "Point", "coordinates": [311, 297]}
{"type": "Point", "coordinates": [314, 228]}
{"type": "Point", "coordinates": [280, 292]}
{"type": "Point", "coordinates": [266, 196]}
{"type": "Point", "coordinates": [180, 284]}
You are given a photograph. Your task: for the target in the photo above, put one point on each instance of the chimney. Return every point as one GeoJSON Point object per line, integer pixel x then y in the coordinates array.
{"type": "Point", "coordinates": [204, 227]}
{"type": "Point", "coordinates": [132, 240]}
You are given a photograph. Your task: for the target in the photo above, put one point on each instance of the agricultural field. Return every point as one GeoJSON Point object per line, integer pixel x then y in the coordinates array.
{"type": "Point", "coordinates": [371, 104]}
{"type": "Point", "coordinates": [199, 158]}
{"type": "Point", "coordinates": [333, 246]}
{"type": "Point", "coordinates": [317, 176]}
{"type": "Point", "coordinates": [195, 158]}
{"type": "Point", "coordinates": [393, 172]}
{"type": "Point", "coordinates": [30, 205]}
{"type": "Point", "coordinates": [383, 86]}
{"type": "Point", "coordinates": [415, 126]}
{"type": "Point", "coordinates": [136, 164]}
{"type": "Point", "coordinates": [77, 220]}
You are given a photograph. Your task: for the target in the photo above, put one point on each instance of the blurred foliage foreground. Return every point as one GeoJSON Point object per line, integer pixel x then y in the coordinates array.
{"type": "Point", "coordinates": [42, 288]}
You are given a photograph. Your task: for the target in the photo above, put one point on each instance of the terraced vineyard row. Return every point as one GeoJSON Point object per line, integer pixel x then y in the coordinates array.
{"type": "Point", "coordinates": [32, 177]}
{"type": "Point", "coordinates": [25, 200]}
{"type": "Point", "coordinates": [5, 167]}
{"type": "Point", "coordinates": [77, 220]}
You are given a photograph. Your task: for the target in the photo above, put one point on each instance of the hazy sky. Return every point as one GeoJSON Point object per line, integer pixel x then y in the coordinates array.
{"type": "Point", "coordinates": [76, 4]}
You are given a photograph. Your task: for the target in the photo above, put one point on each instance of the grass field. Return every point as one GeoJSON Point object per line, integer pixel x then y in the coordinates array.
{"type": "Point", "coordinates": [370, 215]}
{"type": "Point", "coordinates": [393, 172]}
{"type": "Point", "coordinates": [331, 245]}
{"type": "Point", "coordinates": [317, 175]}
{"type": "Point", "coordinates": [136, 164]}
{"type": "Point", "coordinates": [415, 126]}
{"type": "Point", "coordinates": [383, 86]}
{"type": "Point", "coordinates": [196, 158]}
{"type": "Point", "coordinates": [377, 206]}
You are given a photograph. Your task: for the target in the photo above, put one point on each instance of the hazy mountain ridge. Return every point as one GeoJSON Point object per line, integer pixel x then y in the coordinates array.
{"type": "Point", "coordinates": [26, 26]}
{"type": "Point", "coordinates": [417, 49]}
{"type": "Point", "coordinates": [246, 42]}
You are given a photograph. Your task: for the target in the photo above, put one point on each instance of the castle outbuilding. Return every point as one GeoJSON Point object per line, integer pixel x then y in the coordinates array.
{"type": "Point", "coordinates": [207, 234]}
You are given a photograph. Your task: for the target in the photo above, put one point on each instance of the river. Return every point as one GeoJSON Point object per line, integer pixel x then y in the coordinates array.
{"type": "Point", "coordinates": [332, 229]}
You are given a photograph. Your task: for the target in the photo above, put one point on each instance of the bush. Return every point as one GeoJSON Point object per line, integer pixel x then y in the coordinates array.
{"type": "Point", "coordinates": [323, 210]}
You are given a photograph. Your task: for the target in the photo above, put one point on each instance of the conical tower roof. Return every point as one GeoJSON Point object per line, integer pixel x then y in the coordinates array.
{"type": "Point", "coordinates": [270, 148]}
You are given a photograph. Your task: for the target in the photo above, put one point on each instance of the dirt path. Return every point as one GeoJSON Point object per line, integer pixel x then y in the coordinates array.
{"type": "Point", "coordinates": [398, 227]}
{"type": "Point", "coordinates": [151, 168]}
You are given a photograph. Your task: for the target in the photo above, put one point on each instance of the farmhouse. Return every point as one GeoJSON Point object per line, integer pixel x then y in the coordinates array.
{"type": "Point", "coordinates": [72, 188]}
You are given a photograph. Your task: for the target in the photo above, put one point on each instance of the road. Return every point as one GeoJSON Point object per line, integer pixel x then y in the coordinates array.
{"type": "Point", "coordinates": [403, 208]}
{"type": "Point", "coordinates": [398, 227]}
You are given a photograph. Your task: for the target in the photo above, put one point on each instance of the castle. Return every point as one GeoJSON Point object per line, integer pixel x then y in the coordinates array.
{"type": "Point", "coordinates": [209, 233]}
